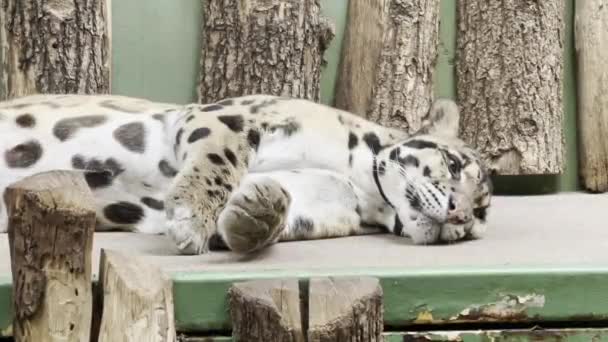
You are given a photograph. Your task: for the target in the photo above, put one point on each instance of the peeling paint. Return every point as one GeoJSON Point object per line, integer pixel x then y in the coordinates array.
{"type": "Point", "coordinates": [424, 317]}
{"type": "Point", "coordinates": [510, 307]}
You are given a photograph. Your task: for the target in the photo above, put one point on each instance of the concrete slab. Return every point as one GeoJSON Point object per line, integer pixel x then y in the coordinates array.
{"type": "Point", "coordinates": [554, 231]}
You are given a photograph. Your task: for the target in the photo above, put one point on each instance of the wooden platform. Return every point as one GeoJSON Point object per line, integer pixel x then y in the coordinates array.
{"type": "Point", "coordinates": [545, 258]}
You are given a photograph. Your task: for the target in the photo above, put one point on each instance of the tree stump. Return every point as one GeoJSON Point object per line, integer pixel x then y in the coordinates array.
{"type": "Point", "coordinates": [509, 83]}
{"type": "Point", "coordinates": [59, 46]}
{"type": "Point", "coordinates": [388, 58]}
{"type": "Point", "coordinates": [591, 41]}
{"type": "Point", "coordinates": [266, 310]}
{"type": "Point", "coordinates": [271, 47]}
{"type": "Point", "coordinates": [345, 309]}
{"type": "Point", "coordinates": [51, 219]}
{"type": "Point", "coordinates": [137, 301]}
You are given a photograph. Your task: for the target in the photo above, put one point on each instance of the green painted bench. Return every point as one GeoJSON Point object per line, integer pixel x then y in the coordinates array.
{"type": "Point", "coordinates": [543, 264]}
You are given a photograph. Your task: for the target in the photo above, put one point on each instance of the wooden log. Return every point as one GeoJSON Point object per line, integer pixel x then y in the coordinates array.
{"type": "Point", "coordinates": [266, 310]}
{"type": "Point", "coordinates": [137, 300]}
{"type": "Point", "coordinates": [262, 46]}
{"type": "Point", "coordinates": [388, 58]}
{"type": "Point", "coordinates": [345, 309]}
{"type": "Point", "coordinates": [509, 83]}
{"type": "Point", "coordinates": [51, 219]}
{"type": "Point", "coordinates": [59, 46]}
{"type": "Point", "coordinates": [591, 42]}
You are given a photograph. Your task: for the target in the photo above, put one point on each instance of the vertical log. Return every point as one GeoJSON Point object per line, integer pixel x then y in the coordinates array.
{"type": "Point", "coordinates": [262, 46]}
{"type": "Point", "coordinates": [591, 41]}
{"type": "Point", "coordinates": [137, 301]}
{"type": "Point", "coordinates": [509, 83]}
{"type": "Point", "coordinates": [388, 58]}
{"type": "Point", "coordinates": [345, 309]}
{"type": "Point", "coordinates": [51, 222]}
{"type": "Point", "coordinates": [266, 310]}
{"type": "Point", "coordinates": [59, 46]}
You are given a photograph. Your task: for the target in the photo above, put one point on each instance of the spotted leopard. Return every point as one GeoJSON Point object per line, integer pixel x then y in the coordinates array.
{"type": "Point", "coordinates": [250, 171]}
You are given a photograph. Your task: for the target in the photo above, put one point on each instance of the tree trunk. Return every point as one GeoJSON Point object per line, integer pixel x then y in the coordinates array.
{"type": "Point", "coordinates": [266, 310]}
{"type": "Point", "coordinates": [388, 58]}
{"type": "Point", "coordinates": [137, 301]}
{"type": "Point", "coordinates": [591, 40]}
{"type": "Point", "coordinates": [509, 83]}
{"type": "Point", "coordinates": [54, 46]}
{"type": "Point", "coordinates": [51, 224]}
{"type": "Point", "coordinates": [262, 46]}
{"type": "Point", "coordinates": [345, 309]}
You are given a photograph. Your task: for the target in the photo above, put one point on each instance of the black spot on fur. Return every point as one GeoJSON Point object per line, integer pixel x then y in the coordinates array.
{"type": "Point", "coordinates": [218, 181]}
{"type": "Point", "coordinates": [199, 133]}
{"type": "Point", "coordinates": [256, 108]}
{"type": "Point", "coordinates": [394, 155]}
{"type": "Point", "coordinates": [166, 169]}
{"type": "Point", "coordinates": [420, 144]}
{"type": "Point", "coordinates": [302, 225]}
{"type": "Point", "coordinates": [227, 187]}
{"type": "Point", "coordinates": [253, 137]}
{"type": "Point", "coordinates": [341, 119]}
{"type": "Point", "coordinates": [352, 140]}
{"type": "Point", "coordinates": [153, 203]}
{"type": "Point", "coordinates": [426, 171]}
{"type": "Point", "coordinates": [226, 102]}
{"type": "Point", "coordinates": [215, 159]}
{"type": "Point", "coordinates": [65, 128]}
{"type": "Point", "coordinates": [481, 213]}
{"type": "Point", "coordinates": [23, 155]}
{"type": "Point", "coordinates": [398, 226]}
{"type": "Point", "coordinates": [382, 168]}
{"type": "Point", "coordinates": [410, 160]}
{"type": "Point", "coordinates": [189, 118]}
{"type": "Point", "coordinates": [230, 156]}
{"type": "Point", "coordinates": [247, 102]}
{"type": "Point", "coordinates": [160, 117]}
{"type": "Point", "coordinates": [98, 179]}
{"type": "Point", "coordinates": [123, 213]}
{"type": "Point", "coordinates": [132, 136]}
{"type": "Point", "coordinates": [373, 142]}
{"type": "Point", "coordinates": [26, 120]}
{"type": "Point", "coordinates": [211, 108]}
{"type": "Point", "coordinates": [350, 159]}
{"type": "Point", "coordinates": [288, 127]}
{"type": "Point", "coordinates": [234, 122]}
{"type": "Point", "coordinates": [178, 139]}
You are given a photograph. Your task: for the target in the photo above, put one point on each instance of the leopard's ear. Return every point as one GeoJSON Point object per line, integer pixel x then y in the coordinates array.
{"type": "Point", "coordinates": [442, 119]}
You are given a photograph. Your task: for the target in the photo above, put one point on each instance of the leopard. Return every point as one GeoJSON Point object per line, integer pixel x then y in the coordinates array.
{"type": "Point", "coordinates": [246, 172]}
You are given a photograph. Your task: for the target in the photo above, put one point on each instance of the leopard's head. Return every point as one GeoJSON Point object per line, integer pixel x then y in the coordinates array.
{"type": "Point", "coordinates": [436, 174]}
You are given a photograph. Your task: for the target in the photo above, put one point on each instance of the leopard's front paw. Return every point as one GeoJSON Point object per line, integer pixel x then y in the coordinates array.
{"type": "Point", "coordinates": [254, 216]}
{"type": "Point", "coordinates": [186, 231]}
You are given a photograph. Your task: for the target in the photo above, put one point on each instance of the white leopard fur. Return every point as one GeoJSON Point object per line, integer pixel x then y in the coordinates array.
{"type": "Point", "coordinates": [252, 170]}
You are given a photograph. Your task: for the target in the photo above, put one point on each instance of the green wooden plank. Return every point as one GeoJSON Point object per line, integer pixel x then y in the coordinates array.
{"type": "Point", "coordinates": [336, 12]}
{"type": "Point", "coordinates": [424, 296]}
{"type": "Point", "coordinates": [6, 305]}
{"type": "Point", "coordinates": [550, 335]}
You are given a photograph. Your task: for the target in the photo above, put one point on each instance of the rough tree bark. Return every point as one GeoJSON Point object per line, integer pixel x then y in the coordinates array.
{"type": "Point", "coordinates": [54, 46]}
{"type": "Point", "coordinates": [51, 223]}
{"type": "Point", "coordinates": [262, 46]}
{"type": "Point", "coordinates": [388, 58]}
{"type": "Point", "coordinates": [266, 310]}
{"type": "Point", "coordinates": [137, 300]}
{"type": "Point", "coordinates": [345, 309]}
{"type": "Point", "coordinates": [591, 40]}
{"type": "Point", "coordinates": [509, 83]}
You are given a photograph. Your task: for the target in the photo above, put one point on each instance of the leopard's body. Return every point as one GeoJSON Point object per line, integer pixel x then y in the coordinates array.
{"type": "Point", "coordinates": [253, 170]}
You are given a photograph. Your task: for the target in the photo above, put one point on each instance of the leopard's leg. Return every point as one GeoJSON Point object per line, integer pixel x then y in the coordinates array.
{"type": "Point", "coordinates": [212, 158]}
{"type": "Point", "coordinates": [323, 204]}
